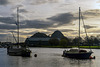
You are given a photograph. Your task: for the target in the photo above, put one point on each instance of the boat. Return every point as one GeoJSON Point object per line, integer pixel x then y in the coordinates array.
{"type": "Point", "coordinates": [78, 53]}
{"type": "Point", "coordinates": [14, 50]}
{"type": "Point", "coordinates": [18, 49]}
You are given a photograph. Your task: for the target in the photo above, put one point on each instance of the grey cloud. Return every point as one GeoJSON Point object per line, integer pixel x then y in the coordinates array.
{"type": "Point", "coordinates": [36, 24]}
{"type": "Point", "coordinates": [9, 23]}
{"type": "Point", "coordinates": [44, 23]}
{"type": "Point", "coordinates": [15, 17]}
{"type": "Point", "coordinates": [2, 30]}
{"type": "Point", "coordinates": [3, 37]}
{"type": "Point", "coordinates": [88, 26]}
{"type": "Point", "coordinates": [10, 20]}
{"type": "Point", "coordinates": [23, 11]}
{"type": "Point", "coordinates": [95, 31]}
{"type": "Point", "coordinates": [91, 13]}
{"type": "Point", "coordinates": [38, 2]}
{"type": "Point", "coordinates": [67, 30]}
{"type": "Point", "coordinates": [64, 18]}
{"type": "Point", "coordinates": [31, 33]}
{"type": "Point", "coordinates": [15, 7]}
{"type": "Point", "coordinates": [68, 18]}
{"type": "Point", "coordinates": [4, 2]}
{"type": "Point", "coordinates": [7, 26]}
{"type": "Point", "coordinates": [62, 30]}
{"type": "Point", "coordinates": [11, 31]}
{"type": "Point", "coordinates": [7, 20]}
{"type": "Point", "coordinates": [55, 21]}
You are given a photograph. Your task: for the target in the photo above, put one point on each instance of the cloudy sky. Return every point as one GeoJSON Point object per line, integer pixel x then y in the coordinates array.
{"type": "Point", "coordinates": [47, 16]}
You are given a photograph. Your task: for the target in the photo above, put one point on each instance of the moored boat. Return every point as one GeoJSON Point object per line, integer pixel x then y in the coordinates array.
{"type": "Point", "coordinates": [78, 53]}
{"type": "Point", "coordinates": [12, 51]}
{"type": "Point", "coordinates": [18, 49]}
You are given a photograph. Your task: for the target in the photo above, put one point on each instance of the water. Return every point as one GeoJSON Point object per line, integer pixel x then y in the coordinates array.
{"type": "Point", "coordinates": [47, 57]}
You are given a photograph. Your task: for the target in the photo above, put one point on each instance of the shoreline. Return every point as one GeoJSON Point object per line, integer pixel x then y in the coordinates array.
{"type": "Point", "coordinates": [86, 47]}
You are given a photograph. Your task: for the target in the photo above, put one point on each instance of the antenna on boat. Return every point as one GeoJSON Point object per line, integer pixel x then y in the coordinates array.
{"type": "Point", "coordinates": [18, 26]}
{"type": "Point", "coordinates": [14, 37]}
{"type": "Point", "coordinates": [85, 31]}
{"type": "Point", "coordinates": [79, 29]}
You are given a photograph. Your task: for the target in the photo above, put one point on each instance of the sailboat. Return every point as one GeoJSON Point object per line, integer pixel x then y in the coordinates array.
{"type": "Point", "coordinates": [17, 49]}
{"type": "Point", "coordinates": [78, 53]}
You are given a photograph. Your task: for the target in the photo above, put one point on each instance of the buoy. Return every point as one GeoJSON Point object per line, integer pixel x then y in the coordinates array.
{"type": "Point", "coordinates": [92, 57]}
{"type": "Point", "coordinates": [35, 55]}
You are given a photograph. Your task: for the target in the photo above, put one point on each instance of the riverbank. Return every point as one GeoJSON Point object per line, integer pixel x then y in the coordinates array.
{"type": "Point", "coordinates": [92, 47]}
{"type": "Point", "coordinates": [87, 47]}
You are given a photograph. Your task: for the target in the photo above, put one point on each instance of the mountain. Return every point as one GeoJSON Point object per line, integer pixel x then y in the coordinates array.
{"type": "Point", "coordinates": [57, 34]}
{"type": "Point", "coordinates": [39, 35]}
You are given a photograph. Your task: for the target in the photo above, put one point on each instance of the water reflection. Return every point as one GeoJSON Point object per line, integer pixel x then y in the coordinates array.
{"type": "Point", "coordinates": [79, 62]}
{"type": "Point", "coordinates": [46, 57]}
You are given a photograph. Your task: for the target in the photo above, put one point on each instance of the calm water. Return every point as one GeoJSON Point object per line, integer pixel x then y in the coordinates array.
{"type": "Point", "coordinates": [47, 57]}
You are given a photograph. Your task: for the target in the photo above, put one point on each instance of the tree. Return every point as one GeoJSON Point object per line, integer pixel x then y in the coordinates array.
{"type": "Point", "coordinates": [54, 41]}
{"type": "Point", "coordinates": [96, 41]}
{"type": "Point", "coordinates": [63, 42]}
{"type": "Point", "coordinates": [77, 40]}
{"type": "Point", "coordinates": [98, 37]}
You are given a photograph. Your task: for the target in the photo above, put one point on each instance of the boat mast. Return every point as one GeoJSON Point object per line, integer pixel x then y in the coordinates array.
{"type": "Point", "coordinates": [79, 28]}
{"type": "Point", "coordinates": [86, 32]}
{"type": "Point", "coordinates": [18, 26]}
{"type": "Point", "coordinates": [14, 37]}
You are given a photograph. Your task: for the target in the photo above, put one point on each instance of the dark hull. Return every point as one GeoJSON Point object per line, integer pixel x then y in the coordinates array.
{"type": "Point", "coordinates": [78, 55]}
{"type": "Point", "coordinates": [18, 52]}
{"type": "Point", "coordinates": [14, 52]}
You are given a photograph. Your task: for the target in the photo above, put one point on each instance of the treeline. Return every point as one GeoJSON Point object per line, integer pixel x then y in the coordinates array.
{"type": "Point", "coordinates": [67, 42]}
{"type": "Point", "coordinates": [87, 41]}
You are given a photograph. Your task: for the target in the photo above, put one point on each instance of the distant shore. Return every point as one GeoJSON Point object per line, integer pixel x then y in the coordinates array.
{"type": "Point", "coordinates": [87, 47]}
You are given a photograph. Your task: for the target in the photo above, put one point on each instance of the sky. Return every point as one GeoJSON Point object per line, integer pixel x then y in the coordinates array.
{"type": "Point", "coordinates": [47, 16]}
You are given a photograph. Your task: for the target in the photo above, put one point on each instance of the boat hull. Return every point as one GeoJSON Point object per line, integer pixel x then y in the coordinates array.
{"type": "Point", "coordinates": [78, 55]}
{"type": "Point", "coordinates": [26, 54]}
{"type": "Point", "coordinates": [14, 52]}
{"type": "Point", "coordinates": [18, 52]}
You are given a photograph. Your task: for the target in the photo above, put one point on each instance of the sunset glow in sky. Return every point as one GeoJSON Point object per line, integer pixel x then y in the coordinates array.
{"type": "Point", "coordinates": [46, 16]}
